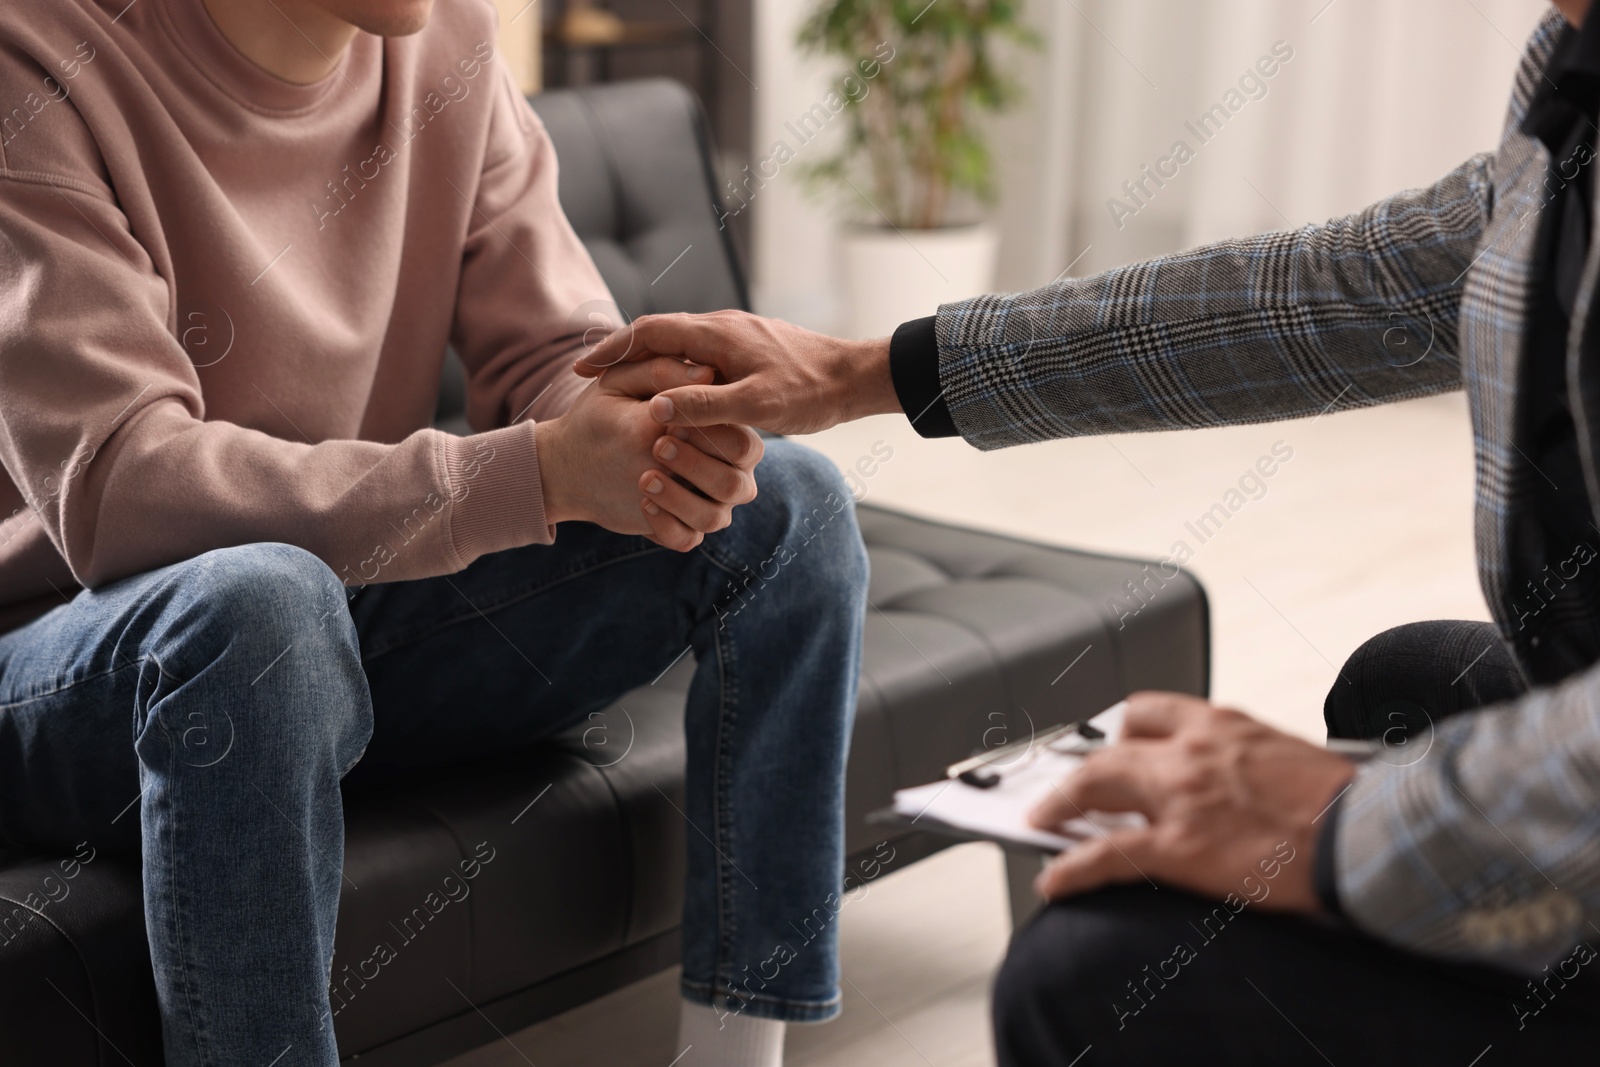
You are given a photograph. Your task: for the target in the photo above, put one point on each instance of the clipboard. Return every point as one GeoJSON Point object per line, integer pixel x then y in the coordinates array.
{"type": "Point", "coordinates": [988, 797]}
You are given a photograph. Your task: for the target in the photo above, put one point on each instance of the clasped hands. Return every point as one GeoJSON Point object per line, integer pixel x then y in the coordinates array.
{"type": "Point", "coordinates": [609, 461]}
{"type": "Point", "coordinates": [662, 446]}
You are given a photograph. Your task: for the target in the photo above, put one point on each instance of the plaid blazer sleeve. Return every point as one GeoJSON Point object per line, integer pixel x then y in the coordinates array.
{"type": "Point", "coordinates": [1484, 843]}
{"type": "Point", "coordinates": [1357, 311]}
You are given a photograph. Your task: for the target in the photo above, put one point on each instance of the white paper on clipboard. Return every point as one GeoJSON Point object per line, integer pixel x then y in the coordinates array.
{"type": "Point", "coordinates": [1000, 813]}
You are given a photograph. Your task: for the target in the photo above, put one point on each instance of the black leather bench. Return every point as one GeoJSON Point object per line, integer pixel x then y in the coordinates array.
{"type": "Point", "coordinates": [575, 847]}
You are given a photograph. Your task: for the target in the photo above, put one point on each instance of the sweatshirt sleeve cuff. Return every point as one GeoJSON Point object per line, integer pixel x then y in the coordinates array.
{"type": "Point", "coordinates": [1324, 865]}
{"type": "Point", "coordinates": [496, 493]}
{"type": "Point", "coordinates": [914, 365]}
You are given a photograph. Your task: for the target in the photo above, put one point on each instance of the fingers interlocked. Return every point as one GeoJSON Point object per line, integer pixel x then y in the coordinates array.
{"type": "Point", "coordinates": [701, 473]}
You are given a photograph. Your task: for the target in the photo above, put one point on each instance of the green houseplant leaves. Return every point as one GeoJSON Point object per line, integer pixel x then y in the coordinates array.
{"type": "Point", "coordinates": [914, 141]}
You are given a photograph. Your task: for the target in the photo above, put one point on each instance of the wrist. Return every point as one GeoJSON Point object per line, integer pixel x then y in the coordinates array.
{"type": "Point", "coordinates": [554, 481]}
{"type": "Point", "coordinates": [869, 382]}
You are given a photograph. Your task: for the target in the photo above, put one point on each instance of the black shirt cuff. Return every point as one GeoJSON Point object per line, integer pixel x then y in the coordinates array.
{"type": "Point", "coordinates": [914, 366]}
{"type": "Point", "coordinates": [1324, 868]}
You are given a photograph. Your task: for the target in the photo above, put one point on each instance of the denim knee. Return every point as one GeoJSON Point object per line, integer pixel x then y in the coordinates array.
{"type": "Point", "coordinates": [805, 517]}
{"type": "Point", "coordinates": [261, 632]}
{"type": "Point", "coordinates": [267, 595]}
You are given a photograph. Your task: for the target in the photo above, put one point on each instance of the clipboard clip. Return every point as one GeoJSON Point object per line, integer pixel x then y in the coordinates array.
{"type": "Point", "coordinates": [986, 769]}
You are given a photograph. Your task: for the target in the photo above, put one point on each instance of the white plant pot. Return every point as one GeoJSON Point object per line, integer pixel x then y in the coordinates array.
{"type": "Point", "coordinates": [893, 276]}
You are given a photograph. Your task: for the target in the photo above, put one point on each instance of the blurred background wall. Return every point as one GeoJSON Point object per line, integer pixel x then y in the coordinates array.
{"type": "Point", "coordinates": [1379, 95]}
{"type": "Point", "coordinates": [1372, 525]}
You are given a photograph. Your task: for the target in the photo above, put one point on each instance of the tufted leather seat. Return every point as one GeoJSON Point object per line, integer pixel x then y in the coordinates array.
{"type": "Point", "coordinates": [577, 884]}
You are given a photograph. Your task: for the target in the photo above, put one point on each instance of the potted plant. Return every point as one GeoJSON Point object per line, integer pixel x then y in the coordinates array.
{"type": "Point", "coordinates": [914, 168]}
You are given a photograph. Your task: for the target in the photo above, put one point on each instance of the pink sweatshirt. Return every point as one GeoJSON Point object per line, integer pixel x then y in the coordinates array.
{"type": "Point", "coordinates": [224, 299]}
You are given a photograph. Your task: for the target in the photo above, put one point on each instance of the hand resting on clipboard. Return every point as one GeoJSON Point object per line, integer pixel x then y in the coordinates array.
{"type": "Point", "coordinates": [989, 797]}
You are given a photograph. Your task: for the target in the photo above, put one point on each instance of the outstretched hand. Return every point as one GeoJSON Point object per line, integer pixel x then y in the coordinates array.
{"type": "Point", "coordinates": [769, 374]}
{"type": "Point", "coordinates": [1232, 804]}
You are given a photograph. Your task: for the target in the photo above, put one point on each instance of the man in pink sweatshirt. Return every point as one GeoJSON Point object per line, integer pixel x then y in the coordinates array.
{"type": "Point", "coordinates": [236, 237]}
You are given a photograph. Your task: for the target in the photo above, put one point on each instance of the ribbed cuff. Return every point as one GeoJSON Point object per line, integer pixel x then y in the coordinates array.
{"type": "Point", "coordinates": [1324, 865]}
{"type": "Point", "coordinates": [496, 494]}
{"type": "Point", "coordinates": [914, 365]}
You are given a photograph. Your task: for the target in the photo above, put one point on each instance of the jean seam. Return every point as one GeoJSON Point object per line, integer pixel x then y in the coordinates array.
{"type": "Point", "coordinates": [734, 573]}
{"type": "Point", "coordinates": [175, 909]}
{"type": "Point", "coordinates": [432, 627]}
{"type": "Point", "coordinates": [709, 551]}
{"type": "Point", "coordinates": [59, 688]}
{"type": "Point", "coordinates": [726, 724]}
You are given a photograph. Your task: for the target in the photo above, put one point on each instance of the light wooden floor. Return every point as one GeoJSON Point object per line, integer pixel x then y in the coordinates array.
{"type": "Point", "coordinates": [1366, 526]}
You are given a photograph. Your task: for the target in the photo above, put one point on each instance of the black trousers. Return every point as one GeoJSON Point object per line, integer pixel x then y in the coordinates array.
{"type": "Point", "coordinates": [1141, 976]}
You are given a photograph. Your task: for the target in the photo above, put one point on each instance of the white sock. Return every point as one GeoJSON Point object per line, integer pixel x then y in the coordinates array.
{"type": "Point", "coordinates": [711, 1037]}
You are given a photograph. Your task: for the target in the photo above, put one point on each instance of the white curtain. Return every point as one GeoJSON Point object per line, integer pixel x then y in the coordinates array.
{"type": "Point", "coordinates": [1379, 95]}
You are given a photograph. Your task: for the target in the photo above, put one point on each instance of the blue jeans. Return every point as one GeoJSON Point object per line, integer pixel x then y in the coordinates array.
{"type": "Point", "coordinates": [203, 715]}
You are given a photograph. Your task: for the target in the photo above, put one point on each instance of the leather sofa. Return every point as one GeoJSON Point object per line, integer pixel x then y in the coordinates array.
{"type": "Point", "coordinates": [575, 847]}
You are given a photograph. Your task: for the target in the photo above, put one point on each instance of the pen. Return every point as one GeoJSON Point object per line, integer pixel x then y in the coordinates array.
{"type": "Point", "coordinates": [1355, 750]}
{"type": "Point", "coordinates": [978, 770]}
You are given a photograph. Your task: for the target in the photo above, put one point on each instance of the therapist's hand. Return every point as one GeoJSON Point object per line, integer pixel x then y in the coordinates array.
{"type": "Point", "coordinates": [1228, 799]}
{"type": "Point", "coordinates": [770, 375]}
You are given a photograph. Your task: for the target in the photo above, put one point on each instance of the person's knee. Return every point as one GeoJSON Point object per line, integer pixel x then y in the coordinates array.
{"type": "Point", "coordinates": [805, 518]}
{"type": "Point", "coordinates": [1376, 695]}
{"type": "Point", "coordinates": [264, 573]}
{"type": "Point", "coordinates": [1056, 971]}
{"type": "Point", "coordinates": [262, 636]}
{"type": "Point", "coordinates": [268, 595]}
{"type": "Point", "coordinates": [1344, 709]}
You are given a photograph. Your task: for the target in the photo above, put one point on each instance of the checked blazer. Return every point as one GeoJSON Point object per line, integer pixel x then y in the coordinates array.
{"type": "Point", "coordinates": [1488, 846]}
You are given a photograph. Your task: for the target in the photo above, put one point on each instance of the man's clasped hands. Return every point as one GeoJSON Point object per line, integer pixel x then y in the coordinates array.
{"type": "Point", "coordinates": [609, 461]}
{"type": "Point", "coordinates": [663, 447]}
